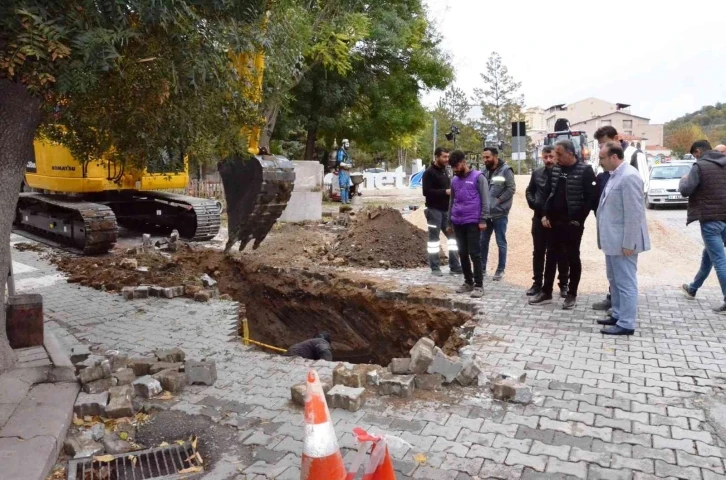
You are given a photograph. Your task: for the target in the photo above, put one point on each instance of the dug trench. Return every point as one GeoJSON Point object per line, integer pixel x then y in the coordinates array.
{"type": "Point", "coordinates": [369, 322]}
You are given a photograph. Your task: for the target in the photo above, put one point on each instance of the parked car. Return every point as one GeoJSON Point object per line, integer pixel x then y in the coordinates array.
{"type": "Point", "coordinates": [663, 185]}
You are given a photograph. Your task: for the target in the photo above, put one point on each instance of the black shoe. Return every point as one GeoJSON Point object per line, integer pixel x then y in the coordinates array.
{"type": "Point", "coordinates": [563, 292]}
{"type": "Point", "coordinates": [534, 290]}
{"type": "Point", "coordinates": [608, 321]}
{"type": "Point", "coordinates": [466, 288]}
{"type": "Point", "coordinates": [541, 299]}
{"type": "Point", "coordinates": [603, 305]}
{"type": "Point", "coordinates": [436, 273]}
{"type": "Point", "coordinates": [498, 276]}
{"type": "Point", "coordinates": [456, 272]}
{"type": "Point", "coordinates": [720, 310]}
{"type": "Point", "coordinates": [687, 290]}
{"type": "Point", "coordinates": [615, 330]}
{"type": "Point", "coordinates": [570, 302]}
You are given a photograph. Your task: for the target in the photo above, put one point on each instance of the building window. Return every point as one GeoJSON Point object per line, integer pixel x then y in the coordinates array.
{"type": "Point", "coordinates": [628, 132]}
{"type": "Point", "coordinates": [605, 122]}
{"type": "Point", "coordinates": [627, 124]}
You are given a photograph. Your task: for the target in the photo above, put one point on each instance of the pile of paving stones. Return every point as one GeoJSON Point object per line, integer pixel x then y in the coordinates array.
{"type": "Point", "coordinates": [428, 368]}
{"type": "Point", "coordinates": [110, 382]}
{"type": "Point", "coordinates": [209, 291]}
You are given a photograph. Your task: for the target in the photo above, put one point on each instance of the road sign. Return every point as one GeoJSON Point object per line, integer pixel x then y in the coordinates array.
{"type": "Point", "coordinates": [519, 155]}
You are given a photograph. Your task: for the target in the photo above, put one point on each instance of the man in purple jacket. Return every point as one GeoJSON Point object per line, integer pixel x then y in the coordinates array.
{"type": "Point", "coordinates": [468, 211]}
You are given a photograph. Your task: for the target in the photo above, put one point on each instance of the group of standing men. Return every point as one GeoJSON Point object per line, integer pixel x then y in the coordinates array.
{"type": "Point", "coordinates": [468, 209]}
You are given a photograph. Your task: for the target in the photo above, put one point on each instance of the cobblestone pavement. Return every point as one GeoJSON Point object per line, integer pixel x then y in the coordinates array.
{"type": "Point", "coordinates": [628, 408]}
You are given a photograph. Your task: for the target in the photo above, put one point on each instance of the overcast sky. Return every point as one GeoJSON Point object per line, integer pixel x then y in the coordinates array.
{"type": "Point", "coordinates": [664, 61]}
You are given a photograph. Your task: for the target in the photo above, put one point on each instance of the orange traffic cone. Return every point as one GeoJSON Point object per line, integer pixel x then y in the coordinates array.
{"type": "Point", "coordinates": [321, 458]}
{"type": "Point", "coordinates": [380, 466]}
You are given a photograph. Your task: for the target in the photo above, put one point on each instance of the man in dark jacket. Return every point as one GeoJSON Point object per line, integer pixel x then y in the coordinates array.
{"type": "Point", "coordinates": [501, 194]}
{"type": "Point", "coordinates": [705, 188]}
{"type": "Point", "coordinates": [437, 190]}
{"type": "Point", "coordinates": [317, 348]}
{"type": "Point", "coordinates": [570, 198]}
{"type": "Point", "coordinates": [541, 238]}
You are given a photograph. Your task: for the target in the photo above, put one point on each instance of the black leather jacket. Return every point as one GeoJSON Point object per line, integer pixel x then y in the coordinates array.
{"type": "Point", "coordinates": [536, 192]}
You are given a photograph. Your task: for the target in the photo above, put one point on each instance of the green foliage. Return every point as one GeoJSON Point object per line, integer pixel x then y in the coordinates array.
{"type": "Point", "coordinates": [679, 138]}
{"type": "Point", "coordinates": [712, 122]}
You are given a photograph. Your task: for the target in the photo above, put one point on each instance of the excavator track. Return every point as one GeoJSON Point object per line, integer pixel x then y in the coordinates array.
{"type": "Point", "coordinates": [85, 226]}
{"type": "Point", "coordinates": [257, 190]}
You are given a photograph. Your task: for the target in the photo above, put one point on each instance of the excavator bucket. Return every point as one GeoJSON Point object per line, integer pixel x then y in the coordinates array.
{"type": "Point", "coordinates": [257, 189]}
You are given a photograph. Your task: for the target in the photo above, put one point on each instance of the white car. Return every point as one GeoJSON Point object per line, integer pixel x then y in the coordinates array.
{"type": "Point", "coordinates": [663, 185]}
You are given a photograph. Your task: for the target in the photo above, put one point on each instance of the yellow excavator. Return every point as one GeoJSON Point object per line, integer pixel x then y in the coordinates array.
{"type": "Point", "coordinates": [82, 204]}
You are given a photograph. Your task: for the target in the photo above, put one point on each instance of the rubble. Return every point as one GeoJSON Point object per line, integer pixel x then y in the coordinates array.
{"type": "Point", "coordinates": [173, 355]}
{"type": "Point", "coordinates": [447, 366]}
{"type": "Point", "coordinates": [347, 398]}
{"type": "Point", "coordinates": [354, 378]}
{"type": "Point", "coordinates": [171, 380]}
{"type": "Point", "coordinates": [98, 386]}
{"type": "Point", "coordinates": [201, 373]}
{"type": "Point", "coordinates": [511, 390]}
{"type": "Point", "coordinates": [400, 366]}
{"type": "Point", "coordinates": [208, 281]}
{"type": "Point", "coordinates": [141, 365]}
{"type": "Point", "coordinates": [422, 354]}
{"type": "Point", "coordinates": [119, 402]}
{"type": "Point", "coordinates": [202, 296]}
{"type": "Point", "coordinates": [115, 446]}
{"type": "Point", "coordinates": [398, 385]}
{"type": "Point", "coordinates": [469, 373]}
{"type": "Point", "coordinates": [125, 376]}
{"type": "Point", "coordinates": [117, 360]}
{"type": "Point", "coordinates": [372, 378]}
{"type": "Point", "coordinates": [90, 374]}
{"type": "Point", "coordinates": [297, 392]}
{"type": "Point", "coordinates": [91, 404]}
{"type": "Point", "coordinates": [429, 381]}
{"type": "Point", "coordinates": [82, 444]}
{"type": "Point", "coordinates": [129, 263]}
{"type": "Point", "coordinates": [141, 291]}
{"type": "Point", "coordinates": [147, 386]}
{"type": "Point", "coordinates": [79, 353]}
{"type": "Point", "coordinates": [161, 366]}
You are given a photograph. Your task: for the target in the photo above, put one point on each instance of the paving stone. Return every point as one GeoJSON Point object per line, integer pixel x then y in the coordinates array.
{"type": "Point", "coordinates": [669, 421]}
{"type": "Point", "coordinates": [82, 444]}
{"type": "Point", "coordinates": [171, 380]}
{"type": "Point", "coordinates": [578, 455]}
{"type": "Point", "coordinates": [400, 366]}
{"type": "Point", "coordinates": [570, 387]}
{"type": "Point", "coordinates": [534, 462]}
{"type": "Point", "coordinates": [662, 431]}
{"type": "Point", "coordinates": [99, 386]}
{"type": "Point", "coordinates": [469, 374]}
{"type": "Point", "coordinates": [706, 450]}
{"type": "Point", "coordinates": [513, 418]}
{"type": "Point", "coordinates": [510, 390]}
{"type": "Point", "coordinates": [579, 469]}
{"type": "Point", "coordinates": [117, 360]}
{"type": "Point", "coordinates": [429, 382]}
{"type": "Point", "coordinates": [449, 433]}
{"type": "Point", "coordinates": [448, 367]}
{"type": "Point", "coordinates": [141, 365]}
{"type": "Point", "coordinates": [495, 454]}
{"type": "Point", "coordinates": [422, 355]}
{"type": "Point", "coordinates": [641, 439]}
{"type": "Point", "coordinates": [641, 464]}
{"type": "Point", "coordinates": [686, 445]}
{"type": "Point", "coordinates": [663, 469]}
{"type": "Point", "coordinates": [397, 385]}
{"type": "Point", "coordinates": [654, 453]}
{"type": "Point", "coordinates": [161, 366]}
{"type": "Point", "coordinates": [91, 404]}
{"type": "Point", "coordinates": [79, 353]}
{"type": "Point", "coordinates": [446, 446]}
{"type": "Point", "coordinates": [347, 398]}
{"type": "Point", "coordinates": [147, 387]}
{"type": "Point", "coordinates": [468, 437]}
{"type": "Point", "coordinates": [623, 449]}
{"type": "Point", "coordinates": [201, 373]}
{"type": "Point", "coordinates": [349, 377]}
{"type": "Point", "coordinates": [568, 416]}
{"type": "Point", "coordinates": [687, 460]}
{"type": "Point", "coordinates": [493, 469]}
{"type": "Point", "coordinates": [580, 442]}
{"type": "Point", "coordinates": [679, 433]}
{"type": "Point", "coordinates": [119, 402]}
{"type": "Point", "coordinates": [125, 376]}
{"type": "Point", "coordinates": [98, 372]}
{"type": "Point", "coordinates": [467, 465]}
{"type": "Point", "coordinates": [596, 472]}
{"type": "Point", "coordinates": [562, 451]}
{"type": "Point", "coordinates": [544, 436]}
{"type": "Point", "coordinates": [505, 442]}
{"type": "Point", "coordinates": [614, 423]}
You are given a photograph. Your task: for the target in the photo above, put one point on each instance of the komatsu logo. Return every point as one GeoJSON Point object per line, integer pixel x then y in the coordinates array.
{"type": "Point", "coordinates": [64, 168]}
{"type": "Point", "coordinates": [30, 167]}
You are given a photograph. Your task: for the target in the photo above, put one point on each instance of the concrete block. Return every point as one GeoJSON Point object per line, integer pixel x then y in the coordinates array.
{"type": "Point", "coordinates": [141, 365]}
{"type": "Point", "coordinates": [208, 281]}
{"type": "Point", "coordinates": [90, 361]}
{"type": "Point", "coordinates": [354, 378]}
{"type": "Point", "coordinates": [297, 392]}
{"type": "Point", "coordinates": [422, 354]}
{"type": "Point", "coordinates": [171, 380]}
{"type": "Point", "coordinates": [168, 292]}
{"type": "Point", "coordinates": [79, 353]}
{"type": "Point", "coordinates": [156, 292]}
{"type": "Point", "coordinates": [147, 386]}
{"type": "Point", "coordinates": [117, 360]}
{"type": "Point", "coordinates": [447, 366]}
{"type": "Point", "coordinates": [429, 381]}
{"type": "Point", "coordinates": [308, 175]}
{"type": "Point", "coordinates": [502, 373]}
{"type": "Point", "coordinates": [141, 292]}
{"type": "Point", "coordinates": [348, 398]}
{"type": "Point", "coordinates": [161, 366]}
{"type": "Point", "coordinates": [469, 374]}
{"type": "Point", "coordinates": [82, 444]}
{"type": "Point", "coordinates": [98, 386]}
{"type": "Point", "coordinates": [125, 376]}
{"type": "Point", "coordinates": [202, 296]}
{"type": "Point", "coordinates": [510, 390]}
{"type": "Point", "coordinates": [172, 355]}
{"type": "Point", "coordinates": [372, 378]}
{"type": "Point", "coordinates": [91, 404]}
{"type": "Point", "coordinates": [98, 372]}
{"type": "Point", "coordinates": [119, 402]}
{"type": "Point", "coordinates": [201, 373]}
{"type": "Point", "coordinates": [400, 366]}
{"type": "Point", "coordinates": [397, 385]}
{"type": "Point", "coordinates": [303, 207]}
{"type": "Point", "coordinates": [128, 293]}
{"type": "Point", "coordinates": [178, 291]}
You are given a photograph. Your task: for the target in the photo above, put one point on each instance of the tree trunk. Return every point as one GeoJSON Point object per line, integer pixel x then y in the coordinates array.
{"type": "Point", "coordinates": [270, 120]}
{"type": "Point", "coordinates": [20, 116]}
{"type": "Point", "coordinates": [310, 144]}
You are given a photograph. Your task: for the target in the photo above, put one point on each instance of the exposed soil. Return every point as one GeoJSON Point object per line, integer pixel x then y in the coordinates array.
{"type": "Point", "coordinates": [285, 306]}
{"type": "Point", "coordinates": [381, 238]}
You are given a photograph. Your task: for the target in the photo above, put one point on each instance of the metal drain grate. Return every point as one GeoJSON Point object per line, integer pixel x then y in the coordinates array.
{"type": "Point", "coordinates": [163, 463]}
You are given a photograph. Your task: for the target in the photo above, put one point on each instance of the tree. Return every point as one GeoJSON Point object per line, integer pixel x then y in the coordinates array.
{"type": "Point", "coordinates": [680, 139]}
{"type": "Point", "coordinates": [141, 75]}
{"type": "Point", "coordinates": [500, 100]}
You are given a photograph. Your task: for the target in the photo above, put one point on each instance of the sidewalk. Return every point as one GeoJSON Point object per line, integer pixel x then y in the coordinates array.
{"type": "Point", "coordinates": [632, 408]}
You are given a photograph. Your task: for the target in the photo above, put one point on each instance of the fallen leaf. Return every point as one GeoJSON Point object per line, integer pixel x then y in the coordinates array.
{"type": "Point", "coordinates": [199, 459]}
{"type": "Point", "coordinates": [123, 436]}
{"type": "Point", "coordinates": [104, 458]}
{"type": "Point", "coordinates": [420, 458]}
{"type": "Point", "coordinates": [164, 444]}
{"type": "Point", "coordinates": [194, 469]}
{"type": "Point", "coordinates": [194, 443]}
{"type": "Point", "coordinates": [88, 419]}
{"type": "Point", "coordinates": [78, 421]}
{"type": "Point", "coordinates": [164, 396]}
{"type": "Point", "coordinates": [132, 459]}
{"type": "Point", "coordinates": [180, 442]}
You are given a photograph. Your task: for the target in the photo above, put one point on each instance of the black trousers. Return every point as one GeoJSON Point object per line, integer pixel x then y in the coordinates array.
{"type": "Point", "coordinates": [543, 252]}
{"type": "Point", "coordinates": [467, 239]}
{"type": "Point", "coordinates": [566, 239]}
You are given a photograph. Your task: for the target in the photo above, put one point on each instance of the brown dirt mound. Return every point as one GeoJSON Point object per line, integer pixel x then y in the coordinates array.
{"type": "Point", "coordinates": [286, 306]}
{"type": "Point", "coordinates": [382, 238]}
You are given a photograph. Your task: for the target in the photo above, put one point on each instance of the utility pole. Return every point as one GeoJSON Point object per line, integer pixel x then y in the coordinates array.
{"type": "Point", "coordinates": [433, 151]}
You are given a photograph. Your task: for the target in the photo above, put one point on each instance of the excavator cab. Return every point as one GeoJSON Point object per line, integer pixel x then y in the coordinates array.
{"type": "Point", "coordinates": [578, 137]}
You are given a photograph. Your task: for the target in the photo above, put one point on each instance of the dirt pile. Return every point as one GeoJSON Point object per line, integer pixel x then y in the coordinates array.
{"type": "Point", "coordinates": [381, 238]}
{"type": "Point", "coordinates": [285, 306]}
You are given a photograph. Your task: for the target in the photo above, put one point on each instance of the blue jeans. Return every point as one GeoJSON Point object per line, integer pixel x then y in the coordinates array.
{"type": "Point", "coordinates": [622, 274]}
{"type": "Point", "coordinates": [714, 238]}
{"type": "Point", "coordinates": [499, 228]}
{"type": "Point", "coordinates": [702, 274]}
{"type": "Point", "coordinates": [344, 195]}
